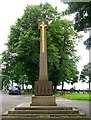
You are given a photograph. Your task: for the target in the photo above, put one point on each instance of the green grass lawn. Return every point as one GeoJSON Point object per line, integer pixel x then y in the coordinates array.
{"type": "Point", "coordinates": [72, 96]}
{"type": "Point", "coordinates": [26, 92]}
{"type": "Point", "coordinates": [78, 96]}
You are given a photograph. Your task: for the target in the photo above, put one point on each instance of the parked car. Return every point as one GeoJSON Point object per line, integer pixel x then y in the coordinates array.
{"type": "Point", "coordinates": [14, 90]}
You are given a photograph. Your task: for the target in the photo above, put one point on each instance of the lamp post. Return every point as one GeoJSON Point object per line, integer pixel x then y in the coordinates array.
{"type": "Point", "coordinates": [85, 30]}
{"type": "Point", "coordinates": [90, 62]}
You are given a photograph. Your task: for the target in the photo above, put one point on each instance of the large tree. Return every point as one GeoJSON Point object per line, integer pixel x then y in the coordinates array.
{"type": "Point", "coordinates": [21, 60]}
{"type": "Point", "coordinates": [62, 39]}
{"type": "Point", "coordinates": [82, 12]}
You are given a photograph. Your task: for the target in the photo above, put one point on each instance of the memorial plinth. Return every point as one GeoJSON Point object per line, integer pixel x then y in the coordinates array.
{"type": "Point", "coordinates": [43, 89]}
{"type": "Point", "coordinates": [43, 101]}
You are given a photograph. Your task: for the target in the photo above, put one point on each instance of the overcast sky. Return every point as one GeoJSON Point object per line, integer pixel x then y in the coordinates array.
{"type": "Point", "coordinates": [10, 10]}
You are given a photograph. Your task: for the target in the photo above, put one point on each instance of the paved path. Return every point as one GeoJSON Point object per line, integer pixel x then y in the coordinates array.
{"type": "Point", "coordinates": [84, 106]}
{"type": "Point", "coordinates": [10, 101]}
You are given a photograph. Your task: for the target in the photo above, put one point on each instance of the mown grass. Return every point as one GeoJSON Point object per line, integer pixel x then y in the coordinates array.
{"type": "Point", "coordinates": [78, 96]}
{"type": "Point", "coordinates": [26, 92]}
{"type": "Point", "coordinates": [57, 95]}
{"type": "Point", "coordinates": [72, 96]}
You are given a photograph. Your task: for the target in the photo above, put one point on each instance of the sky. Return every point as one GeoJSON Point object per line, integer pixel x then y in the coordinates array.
{"type": "Point", "coordinates": [10, 10]}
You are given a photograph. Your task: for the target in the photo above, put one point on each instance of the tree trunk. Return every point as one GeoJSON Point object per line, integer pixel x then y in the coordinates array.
{"type": "Point", "coordinates": [12, 82]}
{"type": "Point", "coordinates": [62, 85]}
{"type": "Point", "coordinates": [22, 86]}
{"type": "Point", "coordinates": [2, 85]}
{"type": "Point", "coordinates": [7, 87]}
{"type": "Point", "coordinates": [55, 88]}
{"type": "Point", "coordinates": [33, 87]}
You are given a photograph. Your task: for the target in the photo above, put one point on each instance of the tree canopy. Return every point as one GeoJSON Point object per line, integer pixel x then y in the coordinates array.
{"type": "Point", "coordinates": [86, 72]}
{"type": "Point", "coordinates": [85, 75]}
{"type": "Point", "coordinates": [82, 12]}
{"type": "Point", "coordinates": [21, 60]}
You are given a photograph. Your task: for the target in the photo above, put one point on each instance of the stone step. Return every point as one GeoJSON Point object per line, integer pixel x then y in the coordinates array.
{"type": "Point", "coordinates": [42, 118]}
{"type": "Point", "coordinates": [43, 112]}
{"type": "Point", "coordinates": [46, 115]}
{"type": "Point", "coordinates": [26, 112]}
{"type": "Point", "coordinates": [43, 108]}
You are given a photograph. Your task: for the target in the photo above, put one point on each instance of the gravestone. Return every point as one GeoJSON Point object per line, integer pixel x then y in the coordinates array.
{"type": "Point", "coordinates": [43, 88]}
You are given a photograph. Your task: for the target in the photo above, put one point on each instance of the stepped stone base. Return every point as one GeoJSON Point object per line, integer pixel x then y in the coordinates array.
{"type": "Point", "coordinates": [27, 112]}
{"type": "Point", "coordinates": [43, 101]}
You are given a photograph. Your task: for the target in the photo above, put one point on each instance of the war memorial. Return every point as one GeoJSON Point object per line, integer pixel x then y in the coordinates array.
{"type": "Point", "coordinates": [44, 105]}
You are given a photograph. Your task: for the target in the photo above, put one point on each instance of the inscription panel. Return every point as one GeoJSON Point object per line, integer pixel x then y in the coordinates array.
{"type": "Point", "coordinates": [43, 88]}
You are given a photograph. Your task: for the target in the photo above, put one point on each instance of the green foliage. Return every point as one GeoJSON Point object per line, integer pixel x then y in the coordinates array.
{"type": "Point", "coordinates": [21, 60]}
{"type": "Point", "coordinates": [86, 72]}
{"type": "Point", "coordinates": [82, 12]}
{"type": "Point", "coordinates": [61, 32]}
{"type": "Point", "coordinates": [88, 43]}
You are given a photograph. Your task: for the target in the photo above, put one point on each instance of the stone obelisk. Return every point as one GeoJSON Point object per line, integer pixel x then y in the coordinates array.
{"type": "Point", "coordinates": [43, 88]}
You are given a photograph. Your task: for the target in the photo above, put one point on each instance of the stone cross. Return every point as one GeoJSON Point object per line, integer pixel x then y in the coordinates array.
{"type": "Point", "coordinates": [43, 89]}
{"type": "Point", "coordinates": [43, 72]}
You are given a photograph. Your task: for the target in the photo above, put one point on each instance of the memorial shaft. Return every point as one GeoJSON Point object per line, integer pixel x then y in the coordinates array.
{"type": "Point", "coordinates": [43, 71]}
